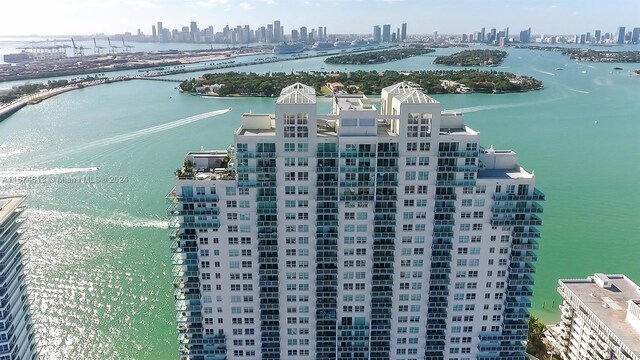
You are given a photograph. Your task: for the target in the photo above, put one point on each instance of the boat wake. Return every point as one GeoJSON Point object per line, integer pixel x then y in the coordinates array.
{"type": "Point", "coordinates": [139, 133]}
{"type": "Point", "coordinates": [578, 91]}
{"type": "Point", "coordinates": [24, 173]}
{"type": "Point", "coordinates": [601, 81]}
{"type": "Point", "coordinates": [542, 71]}
{"type": "Point", "coordinates": [504, 106]}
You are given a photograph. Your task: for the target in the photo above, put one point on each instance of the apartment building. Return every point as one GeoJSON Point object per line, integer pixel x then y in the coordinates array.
{"type": "Point", "coordinates": [377, 231]}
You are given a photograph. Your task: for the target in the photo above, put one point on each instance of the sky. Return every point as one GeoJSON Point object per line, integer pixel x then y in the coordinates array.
{"type": "Point", "coordinates": [70, 17]}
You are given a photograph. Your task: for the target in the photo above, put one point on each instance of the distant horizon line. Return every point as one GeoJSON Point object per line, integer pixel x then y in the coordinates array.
{"type": "Point", "coordinates": [330, 34]}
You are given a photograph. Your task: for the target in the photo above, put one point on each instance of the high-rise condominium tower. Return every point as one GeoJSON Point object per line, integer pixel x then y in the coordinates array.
{"type": "Point", "coordinates": [16, 331]}
{"type": "Point", "coordinates": [361, 234]}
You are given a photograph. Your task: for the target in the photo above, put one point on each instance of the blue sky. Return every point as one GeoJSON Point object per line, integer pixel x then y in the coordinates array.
{"type": "Point", "coordinates": [57, 17]}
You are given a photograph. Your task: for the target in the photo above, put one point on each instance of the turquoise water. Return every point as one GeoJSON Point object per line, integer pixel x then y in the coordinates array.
{"type": "Point", "coordinates": [100, 269]}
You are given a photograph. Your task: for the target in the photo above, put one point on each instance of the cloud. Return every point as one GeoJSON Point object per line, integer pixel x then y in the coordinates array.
{"type": "Point", "coordinates": [392, 1]}
{"type": "Point", "coordinates": [269, 2]}
{"type": "Point", "coordinates": [212, 2]}
{"type": "Point", "coordinates": [245, 6]}
{"type": "Point", "coordinates": [140, 3]}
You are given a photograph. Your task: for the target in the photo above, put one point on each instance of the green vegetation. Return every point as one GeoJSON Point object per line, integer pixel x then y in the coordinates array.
{"type": "Point", "coordinates": [28, 89]}
{"type": "Point", "coordinates": [603, 56]}
{"type": "Point", "coordinates": [472, 58]}
{"type": "Point", "coordinates": [637, 72]}
{"type": "Point", "coordinates": [535, 343]}
{"type": "Point", "coordinates": [580, 54]}
{"type": "Point", "coordinates": [367, 82]}
{"type": "Point", "coordinates": [379, 57]}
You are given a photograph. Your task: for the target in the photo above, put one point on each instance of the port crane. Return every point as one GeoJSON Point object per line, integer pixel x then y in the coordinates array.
{"type": "Point", "coordinates": [127, 48]}
{"type": "Point", "coordinates": [99, 49]}
{"type": "Point", "coordinates": [78, 50]}
{"type": "Point", "coordinates": [112, 48]}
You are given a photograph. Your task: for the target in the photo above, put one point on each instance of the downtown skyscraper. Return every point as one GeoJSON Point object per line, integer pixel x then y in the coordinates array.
{"type": "Point", "coordinates": [359, 234]}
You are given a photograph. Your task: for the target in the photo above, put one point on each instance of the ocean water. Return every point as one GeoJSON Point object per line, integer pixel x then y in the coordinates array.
{"type": "Point", "coordinates": [99, 161]}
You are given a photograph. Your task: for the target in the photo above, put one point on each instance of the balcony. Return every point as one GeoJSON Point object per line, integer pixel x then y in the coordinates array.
{"type": "Point", "coordinates": [533, 221]}
{"type": "Point", "coordinates": [457, 182]}
{"type": "Point", "coordinates": [459, 168]}
{"type": "Point", "coordinates": [536, 196]}
{"type": "Point", "coordinates": [462, 153]}
{"type": "Point", "coordinates": [533, 208]}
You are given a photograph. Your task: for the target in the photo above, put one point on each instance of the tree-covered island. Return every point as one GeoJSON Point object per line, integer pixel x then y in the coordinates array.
{"type": "Point", "coordinates": [379, 57]}
{"type": "Point", "coordinates": [366, 82]}
{"type": "Point", "coordinates": [472, 58]}
{"type": "Point", "coordinates": [580, 54]}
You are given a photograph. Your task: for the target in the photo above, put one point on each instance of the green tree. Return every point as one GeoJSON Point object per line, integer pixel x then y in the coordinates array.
{"type": "Point", "coordinates": [535, 343]}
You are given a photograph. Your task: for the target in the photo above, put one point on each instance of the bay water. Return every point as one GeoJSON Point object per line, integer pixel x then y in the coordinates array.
{"type": "Point", "coordinates": [100, 271]}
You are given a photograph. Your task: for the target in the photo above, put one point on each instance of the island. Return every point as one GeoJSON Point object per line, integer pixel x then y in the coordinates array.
{"type": "Point", "coordinates": [603, 56]}
{"type": "Point", "coordinates": [580, 54]}
{"type": "Point", "coordinates": [379, 57]}
{"type": "Point", "coordinates": [366, 82]}
{"type": "Point", "coordinates": [472, 58]}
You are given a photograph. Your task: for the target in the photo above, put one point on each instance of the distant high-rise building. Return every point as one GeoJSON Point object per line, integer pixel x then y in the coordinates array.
{"type": "Point", "coordinates": [394, 37]}
{"type": "Point", "coordinates": [588, 36]}
{"type": "Point", "coordinates": [377, 33]}
{"type": "Point", "coordinates": [295, 35]}
{"type": "Point", "coordinates": [492, 35]}
{"type": "Point", "coordinates": [482, 35]}
{"type": "Point", "coordinates": [435, 35]}
{"type": "Point", "coordinates": [246, 34]}
{"type": "Point", "coordinates": [583, 38]}
{"type": "Point", "coordinates": [403, 35]}
{"type": "Point", "coordinates": [303, 34]}
{"type": "Point", "coordinates": [635, 35]}
{"type": "Point", "coordinates": [324, 33]}
{"type": "Point", "coordinates": [313, 36]}
{"type": "Point", "coordinates": [320, 35]}
{"type": "Point", "coordinates": [377, 233]}
{"type": "Point", "coordinates": [194, 33]}
{"type": "Point", "coordinates": [270, 33]}
{"type": "Point", "coordinates": [597, 35]}
{"type": "Point", "coordinates": [386, 33]}
{"type": "Point", "coordinates": [621, 31]}
{"type": "Point", "coordinates": [525, 36]}
{"type": "Point", "coordinates": [277, 31]}
{"type": "Point", "coordinates": [154, 34]}
{"type": "Point", "coordinates": [16, 334]}
{"type": "Point", "coordinates": [161, 34]}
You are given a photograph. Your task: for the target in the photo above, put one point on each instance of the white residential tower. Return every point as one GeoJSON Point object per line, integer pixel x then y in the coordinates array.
{"type": "Point", "coordinates": [362, 234]}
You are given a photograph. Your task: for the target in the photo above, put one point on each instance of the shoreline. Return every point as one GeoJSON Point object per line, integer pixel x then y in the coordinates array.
{"type": "Point", "coordinates": [231, 96]}
{"type": "Point", "coordinates": [187, 60]}
{"type": "Point", "coordinates": [6, 110]}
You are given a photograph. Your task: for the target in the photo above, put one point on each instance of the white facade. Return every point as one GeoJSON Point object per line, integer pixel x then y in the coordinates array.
{"type": "Point", "coordinates": [600, 318]}
{"type": "Point", "coordinates": [16, 332]}
{"type": "Point", "coordinates": [361, 234]}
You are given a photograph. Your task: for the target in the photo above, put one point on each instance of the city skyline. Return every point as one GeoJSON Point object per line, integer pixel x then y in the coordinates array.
{"type": "Point", "coordinates": [119, 16]}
